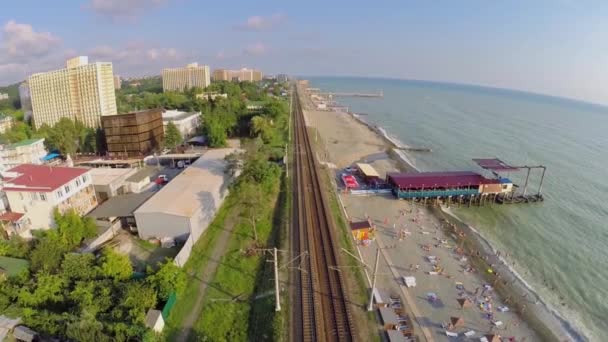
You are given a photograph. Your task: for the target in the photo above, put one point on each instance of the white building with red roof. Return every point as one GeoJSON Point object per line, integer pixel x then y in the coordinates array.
{"type": "Point", "coordinates": [34, 191]}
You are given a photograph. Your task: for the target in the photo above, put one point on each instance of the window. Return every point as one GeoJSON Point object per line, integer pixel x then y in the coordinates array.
{"type": "Point", "coordinates": [77, 182]}
{"type": "Point", "coordinates": [34, 196]}
{"type": "Point", "coordinates": [59, 193]}
{"type": "Point", "coordinates": [67, 189]}
{"type": "Point", "coordinates": [42, 196]}
{"type": "Point", "coordinates": [84, 178]}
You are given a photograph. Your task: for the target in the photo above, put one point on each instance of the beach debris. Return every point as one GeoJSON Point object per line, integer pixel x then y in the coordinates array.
{"type": "Point", "coordinates": [490, 338]}
{"type": "Point", "coordinates": [432, 297]}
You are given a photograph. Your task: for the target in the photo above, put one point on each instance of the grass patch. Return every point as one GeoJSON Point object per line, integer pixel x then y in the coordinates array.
{"type": "Point", "coordinates": [229, 299]}
{"type": "Point", "coordinates": [195, 266]}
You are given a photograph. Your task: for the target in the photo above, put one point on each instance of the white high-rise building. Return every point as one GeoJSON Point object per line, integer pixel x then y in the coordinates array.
{"type": "Point", "coordinates": [193, 75]}
{"type": "Point", "coordinates": [82, 92]}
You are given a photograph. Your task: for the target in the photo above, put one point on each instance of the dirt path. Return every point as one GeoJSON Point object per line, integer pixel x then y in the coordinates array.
{"type": "Point", "coordinates": [209, 272]}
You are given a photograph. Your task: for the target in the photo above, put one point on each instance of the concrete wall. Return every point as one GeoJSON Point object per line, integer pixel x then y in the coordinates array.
{"type": "Point", "coordinates": [184, 253]}
{"type": "Point", "coordinates": [159, 225]}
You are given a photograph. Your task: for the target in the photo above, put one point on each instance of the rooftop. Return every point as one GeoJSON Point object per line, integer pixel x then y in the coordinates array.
{"type": "Point", "coordinates": [367, 170]}
{"type": "Point", "coordinates": [121, 205]}
{"type": "Point", "coordinates": [438, 179]}
{"type": "Point", "coordinates": [106, 175]}
{"type": "Point", "coordinates": [25, 142]}
{"type": "Point", "coordinates": [176, 115]}
{"type": "Point", "coordinates": [145, 172]}
{"type": "Point", "coordinates": [29, 177]}
{"type": "Point", "coordinates": [11, 216]}
{"type": "Point", "coordinates": [13, 266]}
{"type": "Point", "coordinates": [494, 164]}
{"type": "Point", "coordinates": [196, 187]}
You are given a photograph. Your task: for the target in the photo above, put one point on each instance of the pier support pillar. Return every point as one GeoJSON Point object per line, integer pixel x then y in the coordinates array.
{"type": "Point", "coordinates": [526, 184]}
{"type": "Point", "coordinates": [542, 178]}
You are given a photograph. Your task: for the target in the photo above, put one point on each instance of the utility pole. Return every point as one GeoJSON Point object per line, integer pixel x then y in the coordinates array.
{"type": "Point", "coordinates": [276, 281]}
{"type": "Point", "coordinates": [371, 295]}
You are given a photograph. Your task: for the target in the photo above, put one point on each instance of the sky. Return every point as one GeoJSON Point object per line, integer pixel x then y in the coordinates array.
{"type": "Point", "coordinates": [555, 47]}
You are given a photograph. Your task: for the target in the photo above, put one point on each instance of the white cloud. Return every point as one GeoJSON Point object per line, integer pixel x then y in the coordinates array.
{"type": "Point", "coordinates": [257, 49]}
{"type": "Point", "coordinates": [262, 23]}
{"type": "Point", "coordinates": [123, 9]}
{"type": "Point", "coordinates": [21, 41]}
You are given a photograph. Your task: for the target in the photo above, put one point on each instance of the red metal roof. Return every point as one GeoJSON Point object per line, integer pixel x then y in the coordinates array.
{"type": "Point", "coordinates": [10, 216]}
{"type": "Point", "coordinates": [494, 164]}
{"type": "Point", "coordinates": [41, 178]}
{"type": "Point", "coordinates": [431, 180]}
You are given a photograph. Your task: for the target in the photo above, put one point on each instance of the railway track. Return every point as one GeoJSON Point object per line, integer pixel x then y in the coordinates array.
{"type": "Point", "coordinates": [320, 308]}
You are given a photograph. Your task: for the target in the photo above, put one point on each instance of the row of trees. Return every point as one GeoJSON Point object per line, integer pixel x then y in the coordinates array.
{"type": "Point", "coordinates": [67, 136]}
{"type": "Point", "coordinates": [81, 296]}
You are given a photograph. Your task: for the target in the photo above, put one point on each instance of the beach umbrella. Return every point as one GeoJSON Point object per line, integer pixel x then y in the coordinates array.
{"type": "Point", "coordinates": [464, 303]}
{"type": "Point", "coordinates": [457, 322]}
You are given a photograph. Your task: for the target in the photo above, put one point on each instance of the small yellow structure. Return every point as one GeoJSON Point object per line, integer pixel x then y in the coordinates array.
{"type": "Point", "coordinates": [361, 230]}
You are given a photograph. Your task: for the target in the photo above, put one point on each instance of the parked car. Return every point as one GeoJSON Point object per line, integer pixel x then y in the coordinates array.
{"type": "Point", "coordinates": [162, 179]}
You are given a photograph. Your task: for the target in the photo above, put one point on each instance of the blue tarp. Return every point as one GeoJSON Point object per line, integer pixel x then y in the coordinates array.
{"type": "Point", "coordinates": [50, 156]}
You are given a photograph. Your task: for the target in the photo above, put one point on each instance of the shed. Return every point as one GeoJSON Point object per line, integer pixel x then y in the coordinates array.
{"type": "Point", "coordinates": [23, 333]}
{"type": "Point", "coordinates": [361, 230]}
{"type": "Point", "coordinates": [154, 320]}
{"type": "Point", "coordinates": [109, 182]}
{"type": "Point", "coordinates": [368, 172]}
{"type": "Point", "coordinates": [140, 179]}
{"type": "Point", "coordinates": [389, 317]}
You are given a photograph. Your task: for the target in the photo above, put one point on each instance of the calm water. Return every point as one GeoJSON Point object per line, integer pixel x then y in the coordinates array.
{"type": "Point", "coordinates": [559, 246]}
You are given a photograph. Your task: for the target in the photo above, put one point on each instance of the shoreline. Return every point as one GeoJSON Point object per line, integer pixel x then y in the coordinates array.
{"type": "Point", "coordinates": [540, 315]}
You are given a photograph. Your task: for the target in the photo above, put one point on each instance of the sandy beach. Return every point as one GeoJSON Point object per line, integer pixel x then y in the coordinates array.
{"type": "Point", "coordinates": [426, 234]}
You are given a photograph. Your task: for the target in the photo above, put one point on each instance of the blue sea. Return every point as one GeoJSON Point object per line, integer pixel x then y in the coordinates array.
{"type": "Point", "coordinates": [558, 246]}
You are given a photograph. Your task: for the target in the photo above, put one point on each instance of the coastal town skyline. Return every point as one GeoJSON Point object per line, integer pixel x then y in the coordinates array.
{"type": "Point", "coordinates": [517, 46]}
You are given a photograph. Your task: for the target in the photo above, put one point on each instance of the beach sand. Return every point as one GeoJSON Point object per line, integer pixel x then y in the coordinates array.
{"type": "Point", "coordinates": [346, 141]}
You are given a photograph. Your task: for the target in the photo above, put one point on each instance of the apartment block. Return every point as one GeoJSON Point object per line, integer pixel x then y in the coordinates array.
{"type": "Point", "coordinates": [134, 134]}
{"type": "Point", "coordinates": [117, 82]}
{"type": "Point", "coordinates": [35, 191]}
{"type": "Point", "coordinates": [244, 74]}
{"type": "Point", "coordinates": [29, 151]}
{"type": "Point", "coordinates": [82, 92]}
{"type": "Point", "coordinates": [186, 122]}
{"type": "Point", "coordinates": [179, 79]}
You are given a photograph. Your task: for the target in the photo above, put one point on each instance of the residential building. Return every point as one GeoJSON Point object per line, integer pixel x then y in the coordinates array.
{"type": "Point", "coordinates": [110, 182]}
{"type": "Point", "coordinates": [6, 122]}
{"type": "Point", "coordinates": [29, 151]}
{"type": "Point", "coordinates": [186, 122]}
{"type": "Point", "coordinates": [134, 134]}
{"type": "Point", "coordinates": [82, 92]}
{"type": "Point", "coordinates": [244, 74]}
{"type": "Point", "coordinates": [211, 95]}
{"type": "Point", "coordinates": [182, 209]}
{"type": "Point", "coordinates": [179, 79]}
{"type": "Point", "coordinates": [26, 101]}
{"type": "Point", "coordinates": [117, 82]}
{"type": "Point", "coordinates": [3, 96]}
{"type": "Point", "coordinates": [35, 191]}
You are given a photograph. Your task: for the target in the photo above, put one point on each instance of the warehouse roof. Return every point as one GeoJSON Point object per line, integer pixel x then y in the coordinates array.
{"type": "Point", "coordinates": [198, 186]}
{"type": "Point", "coordinates": [367, 170]}
{"type": "Point", "coordinates": [121, 205]}
{"type": "Point", "coordinates": [437, 179]}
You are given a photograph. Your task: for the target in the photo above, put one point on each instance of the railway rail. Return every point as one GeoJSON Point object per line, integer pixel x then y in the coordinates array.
{"type": "Point", "coordinates": [320, 307]}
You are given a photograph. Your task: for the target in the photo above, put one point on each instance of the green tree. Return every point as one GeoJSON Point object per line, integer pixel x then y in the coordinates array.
{"type": "Point", "coordinates": [215, 131]}
{"type": "Point", "coordinates": [168, 279]}
{"type": "Point", "coordinates": [74, 228]}
{"type": "Point", "coordinates": [137, 299]}
{"type": "Point", "coordinates": [77, 266]}
{"type": "Point", "coordinates": [116, 266]}
{"type": "Point", "coordinates": [64, 136]}
{"type": "Point", "coordinates": [16, 247]}
{"type": "Point", "coordinates": [172, 136]}
{"type": "Point", "coordinates": [86, 328]}
{"type": "Point", "coordinates": [48, 252]}
{"type": "Point", "coordinates": [48, 290]}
